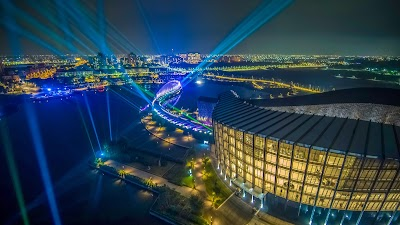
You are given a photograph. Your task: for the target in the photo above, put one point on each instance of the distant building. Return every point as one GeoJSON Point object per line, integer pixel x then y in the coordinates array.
{"type": "Point", "coordinates": [193, 58]}
{"type": "Point", "coordinates": [135, 70]}
{"type": "Point", "coordinates": [73, 73]}
{"type": "Point", "coordinates": [206, 107]}
{"type": "Point", "coordinates": [1, 67]}
{"type": "Point", "coordinates": [168, 59]}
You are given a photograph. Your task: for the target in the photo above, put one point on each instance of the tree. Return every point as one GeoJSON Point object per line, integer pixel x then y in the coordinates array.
{"type": "Point", "coordinates": [196, 203]}
{"type": "Point", "coordinates": [122, 173]}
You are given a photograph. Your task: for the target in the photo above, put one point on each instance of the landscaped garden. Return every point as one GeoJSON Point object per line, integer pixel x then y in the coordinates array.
{"type": "Point", "coordinates": [217, 191]}
{"type": "Point", "coordinates": [172, 205]}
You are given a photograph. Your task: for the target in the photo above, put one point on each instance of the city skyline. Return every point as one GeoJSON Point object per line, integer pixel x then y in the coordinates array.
{"type": "Point", "coordinates": [150, 27]}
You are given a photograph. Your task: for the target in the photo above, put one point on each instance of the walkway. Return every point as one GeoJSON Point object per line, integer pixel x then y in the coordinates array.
{"type": "Point", "coordinates": [185, 191]}
{"type": "Point", "coordinates": [181, 139]}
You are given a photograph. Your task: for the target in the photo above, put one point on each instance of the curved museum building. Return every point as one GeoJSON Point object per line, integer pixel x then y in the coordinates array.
{"type": "Point", "coordinates": [323, 163]}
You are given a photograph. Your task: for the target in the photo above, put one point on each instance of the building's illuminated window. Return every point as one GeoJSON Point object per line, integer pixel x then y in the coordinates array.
{"type": "Point", "coordinates": [259, 164]}
{"type": "Point", "coordinates": [271, 168]}
{"type": "Point", "coordinates": [259, 142]}
{"type": "Point", "coordinates": [231, 140]}
{"type": "Point", "coordinates": [300, 153]}
{"type": "Point", "coordinates": [239, 145]}
{"type": "Point", "coordinates": [284, 162]}
{"type": "Point", "coordinates": [248, 149]}
{"type": "Point", "coordinates": [258, 173]}
{"type": "Point", "coordinates": [389, 206]}
{"type": "Point", "coordinates": [285, 150]}
{"type": "Point", "coordinates": [258, 153]}
{"type": "Point", "coordinates": [271, 145]}
{"type": "Point", "coordinates": [232, 149]}
{"type": "Point", "coordinates": [249, 159]}
{"type": "Point", "coordinates": [239, 135]}
{"type": "Point", "coordinates": [258, 182]}
{"type": "Point", "coordinates": [283, 173]}
{"type": "Point", "coordinates": [248, 139]}
{"type": "Point", "coordinates": [270, 158]}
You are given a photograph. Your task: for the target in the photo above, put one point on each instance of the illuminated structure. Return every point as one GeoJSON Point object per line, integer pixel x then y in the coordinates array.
{"type": "Point", "coordinates": [163, 106]}
{"type": "Point", "coordinates": [205, 107]}
{"type": "Point", "coordinates": [169, 93]}
{"type": "Point", "coordinates": [327, 164]}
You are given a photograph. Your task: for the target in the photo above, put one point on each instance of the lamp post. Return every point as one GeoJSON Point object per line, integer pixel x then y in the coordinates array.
{"type": "Point", "coordinates": [213, 197]}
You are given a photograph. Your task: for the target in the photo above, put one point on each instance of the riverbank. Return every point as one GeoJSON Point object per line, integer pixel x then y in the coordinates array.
{"type": "Point", "coordinates": [161, 187]}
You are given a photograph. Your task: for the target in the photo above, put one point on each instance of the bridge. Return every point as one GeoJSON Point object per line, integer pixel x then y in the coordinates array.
{"type": "Point", "coordinates": [271, 82]}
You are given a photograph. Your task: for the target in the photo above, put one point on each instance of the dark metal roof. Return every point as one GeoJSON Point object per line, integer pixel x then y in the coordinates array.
{"type": "Point", "coordinates": [374, 147]}
{"type": "Point", "coordinates": [280, 124]}
{"type": "Point", "coordinates": [322, 132]}
{"type": "Point", "coordinates": [262, 126]}
{"type": "Point", "coordinates": [282, 133]}
{"type": "Point", "coordinates": [303, 129]}
{"type": "Point", "coordinates": [344, 138]}
{"type": "Point", "coordinates": [316, 131]}
{"type": "Point", "coordinates": [390, 147]}
{"type": "Point", "coordinates": [383, 96]}
{"type": "Point", "coordinates": [359, 142]}
{"type": "Point", "coordinates": [328, 137]}
{"type": "Point", "coordinates": [245, 115]}
{"type": "Point", "coordinates": [252, 124]}
{"type": "Point", "coordinates": [247, 119]}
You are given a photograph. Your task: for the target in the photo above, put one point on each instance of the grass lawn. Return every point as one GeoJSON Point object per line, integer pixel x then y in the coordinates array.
{"type": "Point", "coordinates": [179, 175]}
{"type": "Point", "coordinates": [188, 181]}
{"type": "Point", "coordinates": [215, 185]}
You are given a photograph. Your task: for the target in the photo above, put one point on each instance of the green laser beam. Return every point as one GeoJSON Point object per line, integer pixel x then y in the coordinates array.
{"type": "Point", "coordinates": [14, 173]}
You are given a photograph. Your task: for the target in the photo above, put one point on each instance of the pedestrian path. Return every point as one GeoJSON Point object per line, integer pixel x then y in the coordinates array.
{"type": "Point", "coordinates": [181, 139]}
{"type": "Point", "coordinates": [185, 191]}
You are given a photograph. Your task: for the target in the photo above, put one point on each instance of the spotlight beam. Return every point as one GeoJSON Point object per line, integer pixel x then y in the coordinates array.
{"type": "Point", "coordinates": [143, 13]}
{"type": "Point", "coordinates": [91, 119]}
{"type": "Point", "coordinates": [260, 16]}
{"type": "Point", "coordinates": [12, 167]}
{"type": "Point", "coordinates": [44, 169]}
{"type": "Point", "coordinates": [86, 129]}
{"type": "Point", "coordinates": [109, 114]}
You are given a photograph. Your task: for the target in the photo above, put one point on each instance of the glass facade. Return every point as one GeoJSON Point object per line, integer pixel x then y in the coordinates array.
{"type": "Point", "coordinates": [325, 178]}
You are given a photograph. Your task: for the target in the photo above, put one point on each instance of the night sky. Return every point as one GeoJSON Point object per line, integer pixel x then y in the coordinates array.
{"type": "Point", "coordinates": [347, 27]}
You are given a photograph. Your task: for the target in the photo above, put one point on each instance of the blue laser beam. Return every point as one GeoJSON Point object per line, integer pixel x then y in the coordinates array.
{"type": "Point", "coordinates": [253, 22]}
{"type": "Point", "coordinates": [127, 100]}
{"type": "Point", "coordinates": [91, 119]}
{"type": "Point", "coordinates": [144, 16]}
{"type": "Point", "coordinates": [109, 114]}
{"type": "Point", "coordinates": [41, 157]}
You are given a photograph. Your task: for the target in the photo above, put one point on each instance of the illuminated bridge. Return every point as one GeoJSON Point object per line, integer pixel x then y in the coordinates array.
{"type": "Point", "coordinates": [327, 169]}
{"type": "Point", "coordinates": [163, 105]}
{"type": "Point", "coordinates": [169, 93]}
